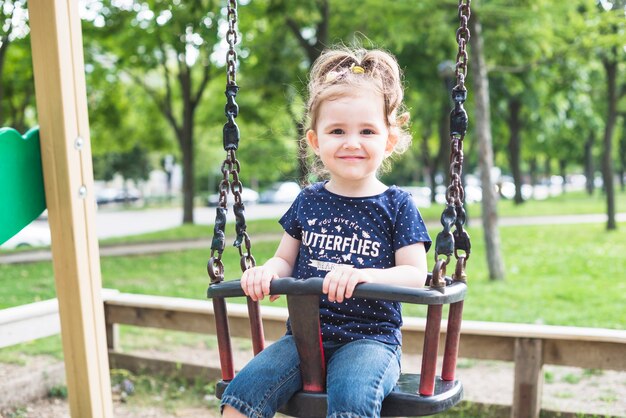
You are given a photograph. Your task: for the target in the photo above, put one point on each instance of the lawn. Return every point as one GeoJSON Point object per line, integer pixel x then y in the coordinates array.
{"type": "Point", "coordinates": [556, 274]}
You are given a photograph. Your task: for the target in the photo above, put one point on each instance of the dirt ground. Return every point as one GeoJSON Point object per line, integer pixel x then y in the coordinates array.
{"type": "Point", "coordinates": [567, 389]}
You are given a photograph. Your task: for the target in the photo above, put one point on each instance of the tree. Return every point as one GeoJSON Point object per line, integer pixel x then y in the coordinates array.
{"type": "Point", "coordinates": [166, 49]}
{"type": "Point", "coordinates": [16, 92]}
{"type": "Point", "coordinates": [622, 155]}
{"type": "Point", "coordinates": [613, 26]}
{"type": "Point", "coordinates": [131, 165]}
{"type": "Point", "coordinates": [308, 22]}
{"type": "Point", "coordinates": [480, 82]}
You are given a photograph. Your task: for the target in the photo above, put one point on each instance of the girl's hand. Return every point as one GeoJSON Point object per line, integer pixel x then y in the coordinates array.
{"type": "Point", "coordinates": [340, 282]}
{"type": "Point", "coordinates": [255, 283]}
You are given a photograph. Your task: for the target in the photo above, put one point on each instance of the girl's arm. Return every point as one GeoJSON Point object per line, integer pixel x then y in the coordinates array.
{"type": "Point", "coordinates": [410, 270]}
{"type": "Point", "coordinates": [255, 282]}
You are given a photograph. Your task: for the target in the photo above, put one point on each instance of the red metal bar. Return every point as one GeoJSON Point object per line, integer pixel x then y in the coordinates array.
{"type": "Point", "coordinates": [431, 348]}
{"type": "Point", "coordinates": [223, 339]}
{"type": "Point", "coordinates": [305, 324]}
{"type": "Point", "coordinates": [453, 334]}
{"type": "Point", "coordinates": [256, 326]}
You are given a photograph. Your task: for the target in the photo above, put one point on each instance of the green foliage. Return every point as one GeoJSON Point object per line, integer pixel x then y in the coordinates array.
{"type": "Point", "coordinates": [131, 165]}
{"type": "Point", "coordinates": [58, 392]}
{"type": "Point", "coordinates": [572, 378]}
{"type": "Point", "coordinates": [143, 60]}
{"type": "Point", "coordinates": [17, 92]}
{"type": "Point", "coordinates": [21, 412]}
{"type": "Point", "coordinates": [16, 73]}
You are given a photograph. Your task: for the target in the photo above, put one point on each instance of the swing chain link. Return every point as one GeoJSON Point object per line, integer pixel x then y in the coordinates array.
{"type": "Point", "coordinates": [231, 38]}
{"type": "Point", "coordinates": [231, 167]}
{"type": "Point", "coordinates": [447, 242]}
{"type": "Point", "coordinates": [462, 38]}
{"type": "Point", "coordinates": [231, 133]}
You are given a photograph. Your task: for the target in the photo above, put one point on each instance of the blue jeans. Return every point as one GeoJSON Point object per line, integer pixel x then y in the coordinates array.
{"type": "Point", "coordinates": [360, 375]}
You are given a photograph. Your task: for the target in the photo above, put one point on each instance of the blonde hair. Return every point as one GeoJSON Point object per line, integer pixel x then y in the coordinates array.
{"type": "Point", "coordinates": [333, 75]}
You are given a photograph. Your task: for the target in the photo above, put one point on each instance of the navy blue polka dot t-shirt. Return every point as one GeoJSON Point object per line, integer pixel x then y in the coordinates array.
{"type": "Point", "coordinates": [363, 232]}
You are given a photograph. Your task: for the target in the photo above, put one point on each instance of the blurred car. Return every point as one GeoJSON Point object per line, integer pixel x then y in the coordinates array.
{"type": "Point", "coordinates": [420, 195]}
{"type": "Point", "coordinates": [36, 234]}
{"type": "Point", "coordinates": [248, 196]}
{"type": "Point", "coordinates": [113, 195]}
{"type": "Point", "coordinates": [283, 192]}
{"type": "Point", "coordinates": [473, 194]}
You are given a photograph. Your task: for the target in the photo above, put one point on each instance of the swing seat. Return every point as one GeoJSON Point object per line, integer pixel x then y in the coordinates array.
{"type": "Point", "coordinates": [414, 394]}
{"type": "Point", "coordinates": [403, 401]}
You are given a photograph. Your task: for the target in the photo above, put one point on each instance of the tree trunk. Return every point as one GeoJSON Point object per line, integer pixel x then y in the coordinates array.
{"type": "Point", "coordinates": [589, 174]}
{"type": "Point", "coordinates": [610, 66]}
{"type": "Point", "coordinates": [186, 146]}
{"type": "Point", "coordinates": [485, 159]}
{"type": "Point", "coordinates": [428, 163]}
{"type": "Point", "coordinates": [443, 154]}
{"type": "Point", "coordinates": [562, 173]}
{"type": "Point", "coordinates": [533, 171]}
{"type": "Point", "coordinates": [313, 51]}
{"type": "Point", "coordinates": [515, 127]}
{"type": "Point", "coordinates": [622, 155]}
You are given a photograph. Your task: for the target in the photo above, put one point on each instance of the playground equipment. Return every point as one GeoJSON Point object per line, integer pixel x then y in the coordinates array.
{"type": "Point", "coordinates": [57, 158]}
{"type": "Point", "coordinates": [415, 394]}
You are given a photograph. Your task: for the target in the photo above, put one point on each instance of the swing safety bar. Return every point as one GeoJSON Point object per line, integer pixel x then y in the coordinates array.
{"type": "Point", "coordinates": [415, 395]}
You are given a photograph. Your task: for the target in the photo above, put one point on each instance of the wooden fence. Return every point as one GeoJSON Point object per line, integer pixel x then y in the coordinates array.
{"type": "Point", "coordinates": [528, 346]}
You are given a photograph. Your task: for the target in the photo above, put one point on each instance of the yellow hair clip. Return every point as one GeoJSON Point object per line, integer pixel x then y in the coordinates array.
{"type": "Point", "coordinates": [357, 69]}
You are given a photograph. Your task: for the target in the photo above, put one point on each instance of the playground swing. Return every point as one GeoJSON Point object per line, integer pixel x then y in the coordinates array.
{"type": "Point", "coordinates": [415, 394]}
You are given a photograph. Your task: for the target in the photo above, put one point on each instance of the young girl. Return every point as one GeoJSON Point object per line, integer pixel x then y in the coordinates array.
{"type": "Point", "coordinates": [350, 229]}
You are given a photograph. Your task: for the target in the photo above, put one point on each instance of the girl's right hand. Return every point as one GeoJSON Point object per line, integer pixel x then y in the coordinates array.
{"type": "Point", "coordinates": [255, 283]}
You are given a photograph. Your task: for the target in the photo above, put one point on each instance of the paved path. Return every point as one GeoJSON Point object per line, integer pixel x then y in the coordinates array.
{"type": "Point", "coordinates": [117, 223]}
{"type": "Point", "coordinates": [167, 246]}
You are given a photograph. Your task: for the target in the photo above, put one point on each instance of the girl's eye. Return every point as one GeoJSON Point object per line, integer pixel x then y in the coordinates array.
{"type": "Point", "coordinates": [367, 132]}
{"type": "Point", "coordinates": [336, 131]}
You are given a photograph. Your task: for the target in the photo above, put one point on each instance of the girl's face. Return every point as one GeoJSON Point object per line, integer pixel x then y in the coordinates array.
{"type": "Point", "coordinates": [351, 137]}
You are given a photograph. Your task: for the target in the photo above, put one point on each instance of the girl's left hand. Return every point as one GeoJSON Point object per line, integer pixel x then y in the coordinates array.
{"type": "Point", "coordinates": [340, 282]}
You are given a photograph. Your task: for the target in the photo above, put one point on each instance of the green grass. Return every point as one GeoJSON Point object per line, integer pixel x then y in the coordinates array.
{"type": "Point", "coordinates": [20, 354]}
{"type": "Point", "coordinates": [557, 274]}
{"type": "Point", "coordinates": [571, 203]}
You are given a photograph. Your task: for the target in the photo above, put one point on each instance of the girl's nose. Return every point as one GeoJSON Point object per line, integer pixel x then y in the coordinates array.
{"type": "Point", "coordinates": [352, 142]}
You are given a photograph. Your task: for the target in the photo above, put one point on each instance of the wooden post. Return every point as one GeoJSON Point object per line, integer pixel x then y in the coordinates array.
{"type": "Point", "coordinates": [57, 46]}
{"type": "Point", "coordinates": [113, 336]}
{"type": "Point", "coordinates": [528, 384]}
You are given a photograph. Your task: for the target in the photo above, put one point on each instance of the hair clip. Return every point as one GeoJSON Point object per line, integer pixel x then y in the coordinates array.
{"type": "Point", "coordinates": [357, 69]}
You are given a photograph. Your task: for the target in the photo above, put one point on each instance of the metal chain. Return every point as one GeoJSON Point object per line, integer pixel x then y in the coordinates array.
{"type": "Point", "coordinates": [230, 168]}
{"type": "Point", "coordinates": [462, 38]}
{"type": "Point", "coordinates": [231, 38]}
{"type": "Point", "coordinates": [449, 242]}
